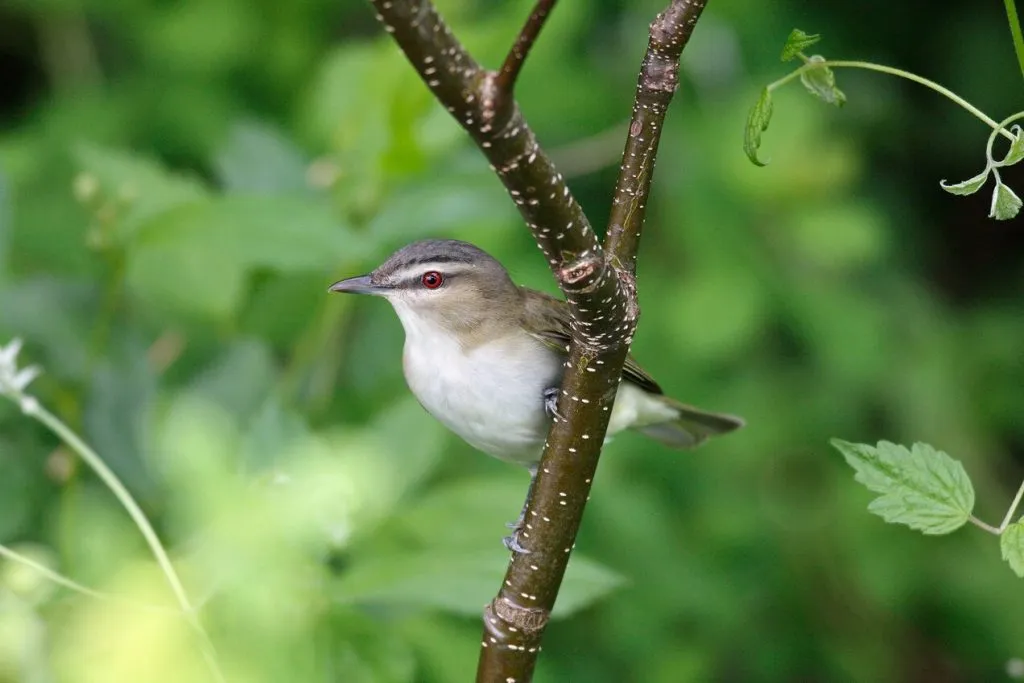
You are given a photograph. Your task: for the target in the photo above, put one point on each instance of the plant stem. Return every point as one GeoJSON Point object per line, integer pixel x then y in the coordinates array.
{"type": "Point", "coordinates": [990, 122]}
{"type": "Point", "coordinates": [34, 409]}
{"type": "Point", "coordinates": [1018, 37]}
{"type": "Point", "coordinates": [998, 531]}
{"type": "Point", "coordinates": [93, 460]}
{"type": "Point", "coordinates": [992, 163]}
{"type": "Point", "coordinates": [985, 526]}
{"type": "Point", "coordinates": [71, 584]}
{"type": "Point", "coordinates": [1013, 509]}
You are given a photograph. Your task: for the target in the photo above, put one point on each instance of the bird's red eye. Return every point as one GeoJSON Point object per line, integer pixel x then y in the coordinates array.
{"type": "Point", "coordinates": [432, 279]}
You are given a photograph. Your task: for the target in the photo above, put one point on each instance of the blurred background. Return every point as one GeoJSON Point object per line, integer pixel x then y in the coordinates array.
{"type": "Point", "coordinates": [181, 181]}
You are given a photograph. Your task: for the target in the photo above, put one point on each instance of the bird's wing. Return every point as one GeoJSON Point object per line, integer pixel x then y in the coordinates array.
{"type": "Point", "coordinates": [548, 318]}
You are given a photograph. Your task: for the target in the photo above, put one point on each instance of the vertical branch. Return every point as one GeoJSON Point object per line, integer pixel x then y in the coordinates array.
{"type": "Point", "coordinates": [659, 76]}
{"type": "Point", "coordinates": [598, 286]}
{"type": "Point", "coordinates": [514, 621]}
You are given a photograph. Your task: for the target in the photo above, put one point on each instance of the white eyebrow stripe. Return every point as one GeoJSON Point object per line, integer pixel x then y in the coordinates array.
{"type": "Point", "coordinates": [416, 270]}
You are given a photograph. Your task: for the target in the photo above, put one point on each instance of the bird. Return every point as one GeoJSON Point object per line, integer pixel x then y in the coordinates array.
{"type": "Point", "coordinates": [485, 357]}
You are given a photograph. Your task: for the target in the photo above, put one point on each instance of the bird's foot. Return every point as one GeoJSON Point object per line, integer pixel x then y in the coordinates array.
{"type": "Point", "coordinates": [512, 542]}
{"type": "Point", "coordinates": [551, 403]}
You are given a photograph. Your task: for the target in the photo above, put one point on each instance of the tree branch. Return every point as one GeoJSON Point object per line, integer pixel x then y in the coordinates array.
{"type": "Point", "coordinates": [655, 87]}
{"type": "Point", "coordinates": [486, 110]}
{"type": "Point", "coordinates": [527, 36]}
{"type": "Point", "coordinates": [599, 287]}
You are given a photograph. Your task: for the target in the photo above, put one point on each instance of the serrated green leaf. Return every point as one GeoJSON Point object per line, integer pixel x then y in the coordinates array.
{"type": "Point", "coordinates": [797, 42]}
{"type": "Point", "coordinates": [1016, 151]}
{"type": "Point", "coordinates": [1011, 541]}
{"type": "Point", "coordinates": [922, 487]}
{"type": "Point", "coordinates": [757, 122]}
{"type": "Point", "coordinates": [1005, 203]}
{"type": "Point", "coordinates": [820, 81]}
{"type": "Point", "coordinates": [966, 187]}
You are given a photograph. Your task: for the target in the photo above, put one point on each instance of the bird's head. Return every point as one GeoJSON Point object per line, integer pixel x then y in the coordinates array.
{"type": "Point", "coordinates": [449, 283]}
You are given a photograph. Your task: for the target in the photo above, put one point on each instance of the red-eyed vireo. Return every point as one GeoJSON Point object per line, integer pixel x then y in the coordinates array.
{"type": "Point", "coordinates": [485, 356]}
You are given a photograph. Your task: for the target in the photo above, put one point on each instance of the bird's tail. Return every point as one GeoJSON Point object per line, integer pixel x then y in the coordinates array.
{"type": "Point", "coordinates": [690, 427]}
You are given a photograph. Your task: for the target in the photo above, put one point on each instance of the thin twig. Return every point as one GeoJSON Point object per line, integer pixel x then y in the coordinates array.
{"type": "Point", "coordinates": [516, 57]}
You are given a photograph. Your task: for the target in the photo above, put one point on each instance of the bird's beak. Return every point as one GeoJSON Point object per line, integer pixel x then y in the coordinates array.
{"type": "Point", "coordinates": [358, 285]}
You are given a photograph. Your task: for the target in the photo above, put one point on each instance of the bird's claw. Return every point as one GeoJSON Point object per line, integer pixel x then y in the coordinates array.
{"type": "Point", "coordinates": [551, 403]}
{"type": "Point", "coordinates": [512, 543]}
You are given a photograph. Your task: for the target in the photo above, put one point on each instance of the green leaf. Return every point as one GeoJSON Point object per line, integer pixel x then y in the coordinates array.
{"type": "Point", "coordinates": [272, 429]}
{"type": "Point", "coordinates": [259, 158]}
{"type": "Point", "coordinates": [797, 42]}
{"type": "Point", "coordinates": [460, 583]}
{"type": "Point", "coordinates": [1005, 203]}
{"type": "Point", "coordinates": [355, 643]}
{"type": "Point", "coordinates": [820, 81]}
{"type": "Point", "coordinates": [141, 188]}
{"type": "Point", "coordinates": [1012, 544]}
{"type": "Point", "coordinates": [585, 583]}
{"type": "Point", "coordinates": [238, 381]}
{"type": "Point", "coordinates": [363, 109]}
{"type": "Point", "coordinates": [1016, 151]}
{"type": "Point", "coordinates": [478, 506]}
{"type": "Point", "coordinates": [21, 488]}
{"type": "Point", "coordinates": [195, 258]}
{"type": "Point", "coordinates": [70, 306]}
{"type": "Point", "coordinates": [446, 203]}
{"type": "Point", "coordinates": [922, 487]}
{"type": "Point", "coordinates": [966, 187]}
{"type": "Point", "coordinates": [116, 416]}
{"type": "Point", "coordinates": [757, 122]}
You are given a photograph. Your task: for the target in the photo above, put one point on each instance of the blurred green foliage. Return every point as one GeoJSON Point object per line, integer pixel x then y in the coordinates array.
{"type": "Point", "coordinates": [179, 182]}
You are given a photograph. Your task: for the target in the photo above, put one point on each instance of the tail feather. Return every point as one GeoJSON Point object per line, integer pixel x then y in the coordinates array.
{"type": "Point", "coordinates": [691, 427]}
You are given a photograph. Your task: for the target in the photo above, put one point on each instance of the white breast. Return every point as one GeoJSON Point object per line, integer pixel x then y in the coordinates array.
{"type": "Point", "coordinates": [491, 395]}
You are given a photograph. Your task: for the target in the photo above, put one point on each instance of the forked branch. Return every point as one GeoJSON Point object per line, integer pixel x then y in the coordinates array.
{"type": "Point", "coordinates": [598, 284]}
{"type": "Point", "coordinates": [481, 101]}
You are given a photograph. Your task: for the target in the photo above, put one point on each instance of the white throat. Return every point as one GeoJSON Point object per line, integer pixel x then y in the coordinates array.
{"type": "Point", "coordinates": [490, 393]}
